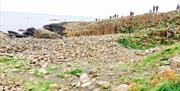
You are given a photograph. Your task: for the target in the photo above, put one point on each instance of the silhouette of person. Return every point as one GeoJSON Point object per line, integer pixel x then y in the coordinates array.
{"type": "Point", "coordinates": [110, 17]}
{"type": "Point", "coordinates": [157, 7]}
{"type": "Point", "coordinates": [117, 16]}
{"type": "Point", "coordinates": [154, 8]}
{"type": "Point", "coordinates": [114, 16]}
{"type": "Point", "coordinates": [96, 19]}
{"type": "Point", "coordinates": [150, 11]}
{"type": "Point", "coordinates": [178, 7]}
{"type": "Point", "coordinates": [99, 20]}
{"type": "Point", "coordinates": [131, 13]}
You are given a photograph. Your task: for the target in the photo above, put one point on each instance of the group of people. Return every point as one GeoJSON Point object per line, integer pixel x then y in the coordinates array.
{"type": "Point", "coordinates": [155, 9]}
{"type": "Point", "coordinates": [115, 16]}
{"type": "Point", "coordinates": [97, 19]}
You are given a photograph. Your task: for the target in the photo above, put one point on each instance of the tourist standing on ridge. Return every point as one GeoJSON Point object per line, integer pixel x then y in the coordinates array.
{"type": "Point", "coordinates": [110, 17]}
{"type": "Point", "coordinates": [178, 7]}
{"type": "Point", "coordinates": [157, 8]}
{"type": "Point", "coordinates": [131, 13]}
{"type": "Point", "coordinates": [150, 11]}
{"type": "Point", "coordinates": [154, 7]}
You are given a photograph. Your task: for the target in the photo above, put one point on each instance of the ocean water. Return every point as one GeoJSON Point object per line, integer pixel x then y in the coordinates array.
{"type": "Point", "coordinates": [14, 20]}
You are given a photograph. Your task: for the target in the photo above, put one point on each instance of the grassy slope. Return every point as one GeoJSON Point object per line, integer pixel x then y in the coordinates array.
{"type": "Point", "coordinates": [144, 70]}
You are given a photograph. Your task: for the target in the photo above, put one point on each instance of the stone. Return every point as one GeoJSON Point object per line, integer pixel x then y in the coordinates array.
{"type": "Point", "coordinates": [65, 89]}
{"type": "Point", "coordinates": [161, 69]}
{"type": "Point", "coordinates": [103, 84]}
{"type": "Point", "coordinates": [93, 71]}
{"type": "Point", "coordinates": [96, 89]}
{"type": "Point", "coordinates": [13, 34]}
{"type": "Point", "coordinates": [43, 33]}
{"type": "Point", "coordinates": [29, 32]}
{"type": "Point", "coordinates": [84, 78]}
{"type": "Point", "coordinates": [122, 87]}
{"type": "Point", "coordinates": [55, 28]}
{"type": "Point", "coordinates": [43, 71]}
{"type": "Point", "coordinates": [53, 86]}
{"type": "Point", "coordinates": [86, 84]}
{"type": "Point", "coordinates": [175, 62]}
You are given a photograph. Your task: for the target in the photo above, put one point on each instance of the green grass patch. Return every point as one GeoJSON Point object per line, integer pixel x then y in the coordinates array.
{"type": "Point", "coordinates": [72, 72]}
{"type": "Point", "coordinates": [13, 62]}
{"type": "Point", "coordinates": [36, 86]}
{"type": "Point", "coordinates": [136, 43]}
{"type": "Point", "coordinates": [147, 65]}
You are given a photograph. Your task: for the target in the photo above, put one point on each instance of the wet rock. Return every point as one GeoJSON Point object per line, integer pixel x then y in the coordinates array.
{"type": "Point", "coordinates": [103, 84]}
{"type": "Point", "coordinates": [55, 28]}
{"type": "Point", "coordinates": [13, 34]}
{"type": "Point", "coordinates": [123, 87]}
{"type": "Point", "coordinates": [29, 31]}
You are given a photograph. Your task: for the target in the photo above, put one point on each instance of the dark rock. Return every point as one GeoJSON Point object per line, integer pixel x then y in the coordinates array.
{"type": "Point", "coordinates": [13, 34]}
{"type": "Point", "coordinates": [55, 28]}
{"type": "Point", "coordinates": [21, 30]}
{"type": "Point", "coordinates": [29, 32]}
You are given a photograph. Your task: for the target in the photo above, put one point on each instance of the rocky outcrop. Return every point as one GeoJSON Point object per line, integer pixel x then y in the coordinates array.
{"type": "Point", "coordinates": [55, 28]}
{"type": "Point", "coordinates": [29, 31]}
{"type": "Point", "coordinates": [43, 33]}
{"type": "Point", "coordinates": [13, 34]}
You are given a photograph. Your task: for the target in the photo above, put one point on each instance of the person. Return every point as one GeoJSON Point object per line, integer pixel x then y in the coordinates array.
{"type": "Point", "coordinates": [178, 7]}
{"type": "Point", "coordinates": [157, 8]}
{"type": "Point", "coordinates": [110, 17]}
{"type": "Point", "coordinates": [150, 11]}
{"type": "Point", "coordinates": [114, 16]}
{"type": "Point", "coordinates": [99, 20]}
{"type": "Point", "coordinates": [131, 13]}
{"type": "Point", "coordinates": [96, 19]}
{"type": "Point", "coordinates": [154, 7]}
{"type": "Point", "coordinates": [117, 16]}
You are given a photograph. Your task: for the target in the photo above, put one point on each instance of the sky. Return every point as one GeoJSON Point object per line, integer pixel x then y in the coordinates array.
{"type": "Point", "coordinates": [90, 8]}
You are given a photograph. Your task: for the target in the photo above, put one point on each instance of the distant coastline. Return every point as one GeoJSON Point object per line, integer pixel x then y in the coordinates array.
{"type": "Point", "coordinates": [18, 20]}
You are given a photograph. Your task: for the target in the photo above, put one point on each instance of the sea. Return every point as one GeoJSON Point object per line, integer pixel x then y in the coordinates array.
{"type": "Point", "coordinates": [14, 21]}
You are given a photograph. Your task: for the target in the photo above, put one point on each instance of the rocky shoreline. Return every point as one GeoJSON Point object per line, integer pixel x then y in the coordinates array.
{"type": "Point", "coordinates": [54, 30]}
{"type": "Point", "coordinates": [92, 52]}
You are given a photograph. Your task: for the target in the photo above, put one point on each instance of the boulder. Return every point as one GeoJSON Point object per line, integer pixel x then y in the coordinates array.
{"type": "Point", "coordinates": [104, 84]}
{"type": "Point", "coordinates": [43, 33]}
{"type": "Point", "coordinates": [122, 87]}
{"type": "Point", "coordinates": [13, 34]}
{"type": "Point", "coordinates": [29, 31]}
{"type": "Point", "coordinates": [55, 28]}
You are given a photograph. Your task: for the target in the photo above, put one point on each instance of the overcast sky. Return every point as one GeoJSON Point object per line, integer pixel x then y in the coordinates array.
{"type": "Point", "coordinates": [91, 8]}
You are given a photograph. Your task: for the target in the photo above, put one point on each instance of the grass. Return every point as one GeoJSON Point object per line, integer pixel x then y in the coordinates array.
{"type": "Point", "coordinates": [72, 72]}
{"type": "Point", "coordinates": [167, 85]}
{"type": "Point", "coordinates": [136, 72]}
{"type": "Point", "coordinates": [136, 43]}
{"type": "Point", "coordinates": [36, 86]}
